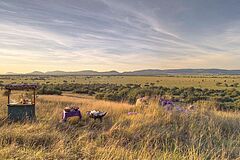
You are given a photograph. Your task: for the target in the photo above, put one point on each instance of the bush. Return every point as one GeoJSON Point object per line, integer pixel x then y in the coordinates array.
{"type": "Point", "coordinates": [49, 91]}
{"type": "Point", "coordinates": [99, 96]}
{"type": "Point", "coordinates": [130, 92]}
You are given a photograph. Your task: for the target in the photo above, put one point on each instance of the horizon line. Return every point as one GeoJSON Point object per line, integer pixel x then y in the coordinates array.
{"type": "Point", "coordinates": [44, 72]}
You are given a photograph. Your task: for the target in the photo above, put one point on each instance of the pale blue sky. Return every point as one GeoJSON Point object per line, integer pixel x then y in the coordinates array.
{"type": "Point", "coordinates": [118, 35]}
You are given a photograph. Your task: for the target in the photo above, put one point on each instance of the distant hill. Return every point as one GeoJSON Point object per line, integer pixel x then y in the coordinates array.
{"type": "Point", "coordinates": [147, 72]}
{"type": "Point", "coordinates": [36, 73]}
{"type": "Point", "coordinates": [203, 71]}
{"type": "Point", "coordinates": [12, 73]}
{"type": "Point", "coordinates": [56, 73]}
{"type": "Point", "coordinates": [82, 73]}
{"type": "Point", "coordinates": [184, 71]}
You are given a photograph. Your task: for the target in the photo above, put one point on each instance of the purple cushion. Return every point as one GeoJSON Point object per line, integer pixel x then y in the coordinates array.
{"type": "Point", "coordinates": [72, 113]}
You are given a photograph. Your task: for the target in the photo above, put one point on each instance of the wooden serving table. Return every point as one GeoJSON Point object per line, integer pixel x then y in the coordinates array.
{"type": "Point", "coordinates": [20, 112]}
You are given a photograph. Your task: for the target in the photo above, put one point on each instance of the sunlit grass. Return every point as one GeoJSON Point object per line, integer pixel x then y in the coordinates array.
{"type": "Point", "coordinates": [151, 134]}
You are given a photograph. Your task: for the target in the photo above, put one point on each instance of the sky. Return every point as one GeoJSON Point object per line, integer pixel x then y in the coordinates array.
{"type": "Point", "coordinates": [122, 35]}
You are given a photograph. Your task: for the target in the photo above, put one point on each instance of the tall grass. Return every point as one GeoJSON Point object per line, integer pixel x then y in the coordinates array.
{"type": "Point", "coordinates": [151, 134]}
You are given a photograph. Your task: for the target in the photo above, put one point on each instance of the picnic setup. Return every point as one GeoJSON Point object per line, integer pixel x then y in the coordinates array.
{"type": "Point", "coordinates": [96, 114]}
{"type": "Point", "coordinates": [25, 108]}
{"type": "Point", "coordinates": [166, 103]}
{"type": "Point", "coordinates": [71, 112]}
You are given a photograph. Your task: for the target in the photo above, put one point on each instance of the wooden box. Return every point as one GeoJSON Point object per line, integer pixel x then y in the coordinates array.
{"type": "Point", "coordinates": [21, 112]}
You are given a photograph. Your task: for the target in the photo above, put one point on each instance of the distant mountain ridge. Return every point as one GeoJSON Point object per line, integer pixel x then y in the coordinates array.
{"type": "Point", "coordinates": [147, 72]}
{"type": "Point", "coordinates": [184, 71]}
{"type": "Point", "coordinates": [85, 72]}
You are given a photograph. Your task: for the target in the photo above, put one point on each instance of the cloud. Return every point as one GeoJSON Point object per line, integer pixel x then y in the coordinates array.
{"type": "Point", "coordinates": [111, 34]}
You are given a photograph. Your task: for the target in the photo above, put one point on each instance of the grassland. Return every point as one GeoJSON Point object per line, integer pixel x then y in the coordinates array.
{"type": "Point", "coordinates": [151, 134]}
{"type": "Point", "coordinates": [209, 82]}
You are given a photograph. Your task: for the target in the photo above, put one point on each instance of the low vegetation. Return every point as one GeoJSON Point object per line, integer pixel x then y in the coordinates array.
{"type": "Point", "coordinates": [223, 90]}
{"type": "Point", "coordinates": [197, 81]}
{"type": "Point", "coordinates": [211, 131]}
{"type": "Point", "coordinates": [225, 99]}
{"type": "Point", "coordinates": [151, 134]}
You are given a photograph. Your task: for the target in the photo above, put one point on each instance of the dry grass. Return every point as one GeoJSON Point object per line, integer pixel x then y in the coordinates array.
{"type": "Point", "coordinates": [152, 134]}
{"type": "Point", "coordinates": [174, 81]}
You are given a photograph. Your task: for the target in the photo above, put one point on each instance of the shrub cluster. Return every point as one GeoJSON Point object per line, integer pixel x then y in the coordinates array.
{"type": "Point", "coordinates": [49, 90]}
{"type": "Point", "coordinates": [227, 99]}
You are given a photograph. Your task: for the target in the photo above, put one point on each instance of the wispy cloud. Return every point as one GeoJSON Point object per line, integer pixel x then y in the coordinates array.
{"type": "Point", "coordinates": [121, 35]}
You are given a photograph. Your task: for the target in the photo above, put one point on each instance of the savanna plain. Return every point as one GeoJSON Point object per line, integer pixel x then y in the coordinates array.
{"type": "Point", "coordinates": [210, 131]}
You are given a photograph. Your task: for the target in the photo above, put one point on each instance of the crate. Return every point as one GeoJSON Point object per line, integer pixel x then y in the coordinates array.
{"type": "Point", "coordinates": [21, 112]}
